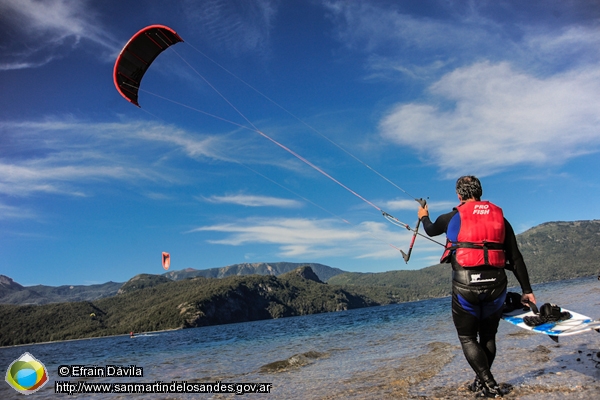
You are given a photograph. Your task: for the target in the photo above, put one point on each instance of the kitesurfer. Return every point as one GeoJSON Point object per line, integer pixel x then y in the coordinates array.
{"type": "Point", "coordinates": [131, 335]}
{"type": "Point", "coordinates": [480, 245]}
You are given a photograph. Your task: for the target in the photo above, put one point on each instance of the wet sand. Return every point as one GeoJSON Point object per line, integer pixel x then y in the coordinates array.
{"type": "Point", "coordinates": [528, 365]}
{"type": "Point", "coordinates": [529, 369]}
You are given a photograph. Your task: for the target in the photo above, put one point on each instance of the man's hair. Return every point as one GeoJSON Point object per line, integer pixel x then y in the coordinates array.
{"type": "Point", "coordinates": [469, 187]}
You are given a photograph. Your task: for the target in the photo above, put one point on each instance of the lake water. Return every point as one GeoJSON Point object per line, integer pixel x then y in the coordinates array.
{"type": "Point", "coordinates": [407, 350]}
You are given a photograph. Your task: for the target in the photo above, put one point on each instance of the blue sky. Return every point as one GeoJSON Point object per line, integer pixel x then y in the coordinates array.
{"type": "Point", "coordinates": [93, 188]}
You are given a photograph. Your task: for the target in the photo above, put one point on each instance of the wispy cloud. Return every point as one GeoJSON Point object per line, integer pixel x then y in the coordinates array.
{"type": "Point", "coordinates": [158, 196]}
{"type": "Point", "coordinates": [374, 27]}
{"type": "Point", "coordinates": [62, 155]}
{"type": "Point", "coordinates": [403, 204]}
{"type": "Point", "coordinates": [237, 26]}
{"type": "Point", "coordinates": [298, 237]}
{"type": "Point", "coordinates": [487, 117]}
{"type": "Point", "coordinates": [22, 180]}
{"type": "Point", "coordinates": [399, 43]}
{"type": "Point", "coordinates": [13, 212]}
{"type": "Point", "coordinates": [254, 201]}
{"type": "Point", "coordinates": [414, 46]}
{"type": "Point", "coordinates": [568, 46]}
{"type": "Point", "coordinates": [44, 30]}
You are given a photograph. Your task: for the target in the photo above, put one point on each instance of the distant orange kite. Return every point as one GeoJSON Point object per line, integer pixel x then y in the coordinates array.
{"type": "Point", "coordinates": [166, 260]}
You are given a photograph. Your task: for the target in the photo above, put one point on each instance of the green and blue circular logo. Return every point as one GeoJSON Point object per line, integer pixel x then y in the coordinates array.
{"type": "Point", "coordinates": [26, 374]}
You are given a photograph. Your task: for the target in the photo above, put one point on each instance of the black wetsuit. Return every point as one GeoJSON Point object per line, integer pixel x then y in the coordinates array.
{"type": "Point", "coordinates": [477, 307]}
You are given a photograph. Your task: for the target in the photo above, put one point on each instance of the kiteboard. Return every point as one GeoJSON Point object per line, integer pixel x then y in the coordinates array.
{"type": "Point", "coordinates": [575, 324]}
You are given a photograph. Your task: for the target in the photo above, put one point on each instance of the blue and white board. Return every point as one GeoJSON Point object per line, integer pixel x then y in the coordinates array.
{"type": "Point", "coordinates": [576, 324]}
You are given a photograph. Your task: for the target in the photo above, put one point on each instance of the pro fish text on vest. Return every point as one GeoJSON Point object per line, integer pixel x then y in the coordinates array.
{"type": "Point", "coordinates": [481, 209]}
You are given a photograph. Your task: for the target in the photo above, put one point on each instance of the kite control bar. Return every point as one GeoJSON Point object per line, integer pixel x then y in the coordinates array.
{"type": "Point", "coordinates": [406, 256]}
{"type": "Point", "coordinates": [415, 231]}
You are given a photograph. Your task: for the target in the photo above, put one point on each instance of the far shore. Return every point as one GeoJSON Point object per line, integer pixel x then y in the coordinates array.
{"type": "Point", "coordinates": [86, 338]}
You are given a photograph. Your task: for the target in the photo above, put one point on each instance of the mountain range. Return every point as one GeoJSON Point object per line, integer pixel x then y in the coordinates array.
{"type": "Point", "coordinates": [553, 251]}
{"type": "Point", "coordinates": [12, 292]}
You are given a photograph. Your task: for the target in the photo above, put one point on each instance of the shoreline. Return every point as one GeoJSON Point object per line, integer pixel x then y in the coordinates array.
{"type": "Point", "coordinates": [88, 338]}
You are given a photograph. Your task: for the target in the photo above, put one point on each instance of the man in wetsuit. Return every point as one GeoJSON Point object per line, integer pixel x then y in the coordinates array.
{"type": "Point", "coordinates": [480, 245]}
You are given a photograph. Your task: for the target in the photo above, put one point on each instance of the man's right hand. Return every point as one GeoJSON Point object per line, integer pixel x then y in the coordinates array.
{"type": "Point", "coordinates": [423, 212]}
{"type": "Point", "coordinates": [526, 298]}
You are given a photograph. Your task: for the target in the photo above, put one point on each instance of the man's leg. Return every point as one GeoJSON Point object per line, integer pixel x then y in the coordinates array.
{"type": "Point", "coordinates": [491, 313]}
{"type": "Point", "coordinates": [465, 317]}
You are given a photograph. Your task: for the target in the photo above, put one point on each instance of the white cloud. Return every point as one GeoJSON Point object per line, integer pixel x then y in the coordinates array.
{"type": "Point", "coordinates": [487, 117]}
{"type": "Point", "coordinates": [298, 237]}
{"type": "Point", "coordinates": [499, 95]}
{"type": "Point", "coordinates": [46, 29]}
{"type": "Point", "coordinates": [254, 201]}
{"type": "Point", "coordinates": [400, 204]}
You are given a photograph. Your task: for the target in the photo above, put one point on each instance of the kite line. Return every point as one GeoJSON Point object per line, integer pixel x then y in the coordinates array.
{"type": "Point", "coordinates": [388, 216]}
{"type": "Point", "coordinates": [147, 44]}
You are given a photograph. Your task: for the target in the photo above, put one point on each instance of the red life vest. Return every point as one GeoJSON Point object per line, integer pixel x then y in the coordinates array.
{"type": "Point", "coordinates": [480, 237]}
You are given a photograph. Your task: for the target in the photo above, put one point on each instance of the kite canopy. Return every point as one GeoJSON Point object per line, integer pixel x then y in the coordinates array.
{"type": "Point", "coordinates": [166, 260]}
{"type": "Point", "coordinates": [137, 55]}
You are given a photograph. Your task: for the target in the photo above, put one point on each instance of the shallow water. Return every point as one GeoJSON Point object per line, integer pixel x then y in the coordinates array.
{"type": "Point", "coordinates": [406, 350]}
